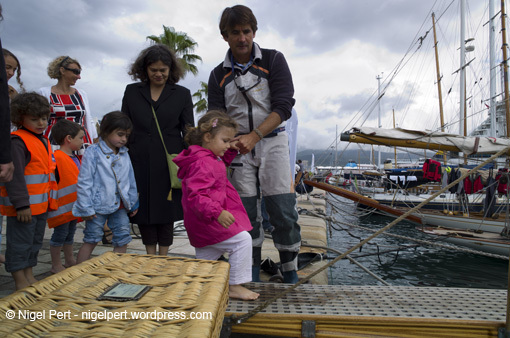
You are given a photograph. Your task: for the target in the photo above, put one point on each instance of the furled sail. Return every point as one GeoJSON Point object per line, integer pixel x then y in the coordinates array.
{"type": "Point", "coordinates": [427, 139]}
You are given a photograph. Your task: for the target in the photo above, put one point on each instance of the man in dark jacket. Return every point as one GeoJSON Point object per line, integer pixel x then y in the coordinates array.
{"type": "Point", "coordinates": [254, 86]}
{"type": "Point", "coordinates": [6, 166]}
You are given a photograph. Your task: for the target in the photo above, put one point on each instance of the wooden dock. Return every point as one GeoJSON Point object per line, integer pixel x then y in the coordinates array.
{"type": "Point", "coordinates": [373, 311]}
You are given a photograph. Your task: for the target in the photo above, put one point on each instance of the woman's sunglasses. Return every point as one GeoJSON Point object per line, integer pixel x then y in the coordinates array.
{"type": "Point", "coordinates": [74, 70]}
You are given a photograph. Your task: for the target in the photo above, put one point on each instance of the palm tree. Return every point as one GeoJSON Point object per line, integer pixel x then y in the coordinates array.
{"type": "Point", "coordinates": [201, 95]}
{"type": "Point", "coordinates": [182, 45]}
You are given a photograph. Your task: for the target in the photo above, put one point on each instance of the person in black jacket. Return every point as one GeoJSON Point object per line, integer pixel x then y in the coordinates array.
{"type": "Point", "coordinates": [158, 70]}
{"type": "Point", "coordinates": [6, 166]}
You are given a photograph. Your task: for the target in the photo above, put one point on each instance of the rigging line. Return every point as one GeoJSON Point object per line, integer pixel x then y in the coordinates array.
{"type": "Point", "coordinates": [379, 258]}
{"type": "Point", "coordinates": [355, 214]}
{"type": "Point", "coordinates": [405, 113]}
{"type": "Point", "coordinates": [395, 69]}
{"type": "Point", "coordinates": [441, 15]}
{"type": "Point", "coordinates": [352, 260]}
{"type": "Point", "coordinates": [327, 218]}
{"type": "Point", "coordinates": [404, 247]}
{"type": "Point", "coordinates": [400, 65]}
{"type": "Point", "coordinates": [359, 238]}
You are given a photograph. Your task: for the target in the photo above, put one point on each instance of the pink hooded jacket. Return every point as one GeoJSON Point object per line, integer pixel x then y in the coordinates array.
{"type": "Point", "coordinates": [206, 192]}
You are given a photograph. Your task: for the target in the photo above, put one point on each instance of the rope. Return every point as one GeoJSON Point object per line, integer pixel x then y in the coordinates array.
{"type": "Point", "coordinates": [379, 257]}
{"type": "Point", "coordinates": [235, 319]}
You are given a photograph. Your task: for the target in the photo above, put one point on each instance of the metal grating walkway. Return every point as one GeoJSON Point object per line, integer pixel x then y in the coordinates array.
{"type": "Point", "coordinates": [379, 301]}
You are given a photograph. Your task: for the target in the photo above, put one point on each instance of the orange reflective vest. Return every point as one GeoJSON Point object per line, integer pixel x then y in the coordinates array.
{"type": "Point", "coordinates": [66, 195]}
{"type": "Point", "coordinates": [39, 177]}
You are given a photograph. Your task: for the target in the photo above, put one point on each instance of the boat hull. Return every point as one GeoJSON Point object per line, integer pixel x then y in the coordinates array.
{"type": "Point", "coordinates": [462, 223]}
{"type": "Point", "coordinates": [486, 242]}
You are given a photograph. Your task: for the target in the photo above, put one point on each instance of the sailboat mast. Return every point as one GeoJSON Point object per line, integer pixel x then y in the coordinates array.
{"type": "Point", "coordinates": [336, 145]}
{"type": "Point", "coordinates": [462, 67]}
{"type": "Point", "coordinates": [492, 61]}
{"type": "Point", "coordinates": [505, 66]}
{"type": "Point", "coordinates": [438, 74]}
{"type": "Point", "coordinates": [395, 149]}
{"type": "Point", "coordinates": [378, 77]}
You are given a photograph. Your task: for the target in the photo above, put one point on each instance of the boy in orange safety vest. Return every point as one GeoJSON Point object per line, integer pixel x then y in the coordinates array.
{"type": "Point", "coordinates": [69, 135]}
{"type": "Point", "coordinates": [31, 193]}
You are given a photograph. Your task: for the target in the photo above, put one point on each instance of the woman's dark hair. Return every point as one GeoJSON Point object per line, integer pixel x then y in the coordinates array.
{"type": "Point", "coordinates": [152, 54]}
{"type": "Point", "coordinates": [6, 52]}
{"type": "Point", "coordinates": [211, 122]}
{"type": "Point", "coordinates": [113, 121]}
{"type": "Point", "coordinates": [62, 128]}
{"type": "Point", "coordinates": [28, 104]}
{"type": "Point", "coordinates": [235, 16]}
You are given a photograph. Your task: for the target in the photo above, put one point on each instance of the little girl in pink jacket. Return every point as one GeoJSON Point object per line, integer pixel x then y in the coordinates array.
{"type": "Point", "coordinates": [214, 216]}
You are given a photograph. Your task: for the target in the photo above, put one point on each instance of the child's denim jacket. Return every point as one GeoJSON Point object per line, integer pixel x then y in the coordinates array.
{"type": "Point", "coordinates": [105, 179]}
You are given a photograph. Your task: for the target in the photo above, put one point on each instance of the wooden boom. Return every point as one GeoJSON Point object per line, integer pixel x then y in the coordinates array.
{"type": "Point", "coordinates": [362, 199]}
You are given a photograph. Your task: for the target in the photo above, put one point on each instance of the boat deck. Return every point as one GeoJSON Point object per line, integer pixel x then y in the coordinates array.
{"type": "Point", "coordinates": [375, 310]}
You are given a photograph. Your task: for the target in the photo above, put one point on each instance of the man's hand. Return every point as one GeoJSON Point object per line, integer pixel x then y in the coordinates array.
{"type": "Point", "coordinates": [6, 171]}
{"type": "Point", "coordinates": [247, 142]}
{"type": "Point", "coordinates": [226, 219]}
{"type": "Point", "coordinates": [24, 215]}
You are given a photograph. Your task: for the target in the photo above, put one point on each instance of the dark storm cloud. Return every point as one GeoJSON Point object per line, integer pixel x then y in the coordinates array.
{"type": "Point", "coordinates": [38, 31]}
{"type": "Point", "coordinates": [51, 28]}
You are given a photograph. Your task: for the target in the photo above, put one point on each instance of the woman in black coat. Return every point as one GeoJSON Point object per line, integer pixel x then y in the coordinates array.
{"type": "Point", "coordinates": [158, 70]}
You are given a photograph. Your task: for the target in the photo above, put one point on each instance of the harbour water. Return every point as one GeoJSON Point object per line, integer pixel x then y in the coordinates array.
{"type": "Point", "coordinates": [422, 265]}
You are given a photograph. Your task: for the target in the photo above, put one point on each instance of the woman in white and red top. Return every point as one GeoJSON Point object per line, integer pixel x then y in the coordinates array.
{"type": "Point", "coordinates": [65, 100]}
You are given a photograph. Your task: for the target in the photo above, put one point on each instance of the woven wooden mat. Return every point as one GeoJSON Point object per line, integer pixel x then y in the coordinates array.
{"type": "Point", "coordinates": [181, 288]}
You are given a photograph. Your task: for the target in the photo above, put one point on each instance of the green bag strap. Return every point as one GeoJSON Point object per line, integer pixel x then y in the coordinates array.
{"type": "Point", "coordinates": [166, 151]}
{"type": "Point", "coordinates": [159, 130]}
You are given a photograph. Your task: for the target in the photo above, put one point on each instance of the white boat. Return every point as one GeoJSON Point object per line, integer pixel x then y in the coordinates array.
{"type": "Point", "coordinates": [484, 241]}
{"type": "Point", "coordinates": [446, 202]}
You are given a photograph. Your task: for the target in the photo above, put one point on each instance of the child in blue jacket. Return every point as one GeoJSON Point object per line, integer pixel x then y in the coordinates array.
{"type": "Point", "coordinates": [106, 186]}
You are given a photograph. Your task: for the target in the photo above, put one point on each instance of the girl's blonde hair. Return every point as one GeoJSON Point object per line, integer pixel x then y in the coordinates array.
{"type": "Point", "coordinates": [209, 123]}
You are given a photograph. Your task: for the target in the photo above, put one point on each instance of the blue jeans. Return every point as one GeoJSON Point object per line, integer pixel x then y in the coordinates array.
{"type": "Point", "coordinates": [63, 234]}
{"type": "Point", "coordinates": [118, 222]}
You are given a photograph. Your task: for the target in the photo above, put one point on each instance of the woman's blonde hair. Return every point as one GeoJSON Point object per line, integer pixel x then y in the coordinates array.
{"type": "Point", "coordinates": [60, 61]}
{"type": "Point", "coordinates": [209, 123]}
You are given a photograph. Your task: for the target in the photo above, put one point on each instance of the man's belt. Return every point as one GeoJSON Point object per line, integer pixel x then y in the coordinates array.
{"type": "Point", "coordinates": [271, 134]}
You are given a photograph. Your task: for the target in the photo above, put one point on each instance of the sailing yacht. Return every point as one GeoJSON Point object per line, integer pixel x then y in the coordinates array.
{"type": "Point", "coordinates": [483, 231]}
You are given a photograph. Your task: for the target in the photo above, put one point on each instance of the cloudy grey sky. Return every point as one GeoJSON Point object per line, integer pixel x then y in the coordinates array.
{"type": "Point", "coordinates": [335, 49]}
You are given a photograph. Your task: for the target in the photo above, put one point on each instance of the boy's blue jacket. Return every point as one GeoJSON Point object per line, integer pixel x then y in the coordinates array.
{"type": "Point", "coordinates": [105, 179]}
